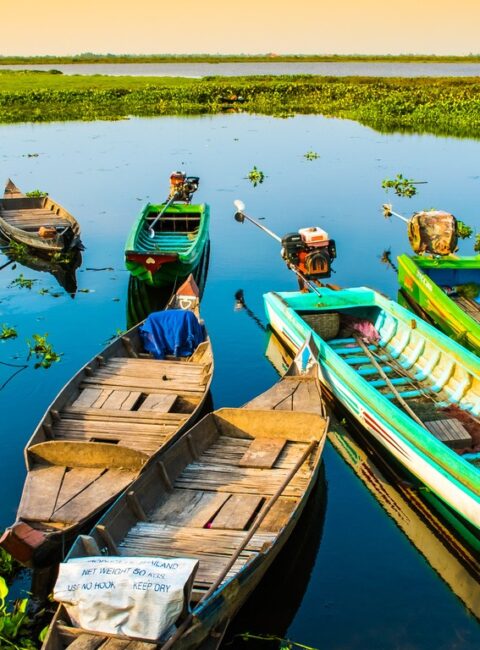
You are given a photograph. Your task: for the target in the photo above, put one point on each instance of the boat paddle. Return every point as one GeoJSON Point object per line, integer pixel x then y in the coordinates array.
{"type": "Point", "coordinates": [151, 232]}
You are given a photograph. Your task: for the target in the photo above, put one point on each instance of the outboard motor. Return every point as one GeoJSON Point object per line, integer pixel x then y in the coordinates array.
{"type": "Point", "coordinates": [311, 251]}
{"type": "Point", "coordinates": [182, 187]}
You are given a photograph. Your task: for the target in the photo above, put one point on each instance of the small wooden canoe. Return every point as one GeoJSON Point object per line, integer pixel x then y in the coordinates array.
{"type": "Point", "coordinates": [432, 287]}
{"type": "Point", "coordinates": [105, 425]}
{"type": "Point", "coordinates": [37, 222]}
{"type": "Point", "coordinates": [174, 251]}
{"type": "Point", "coordinates": [414, 390]}
{"type": "Point", "coordinates": [228, 494]}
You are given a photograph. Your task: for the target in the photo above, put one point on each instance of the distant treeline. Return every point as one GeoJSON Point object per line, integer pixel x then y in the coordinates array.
{"type": "Point", "coordinates": [442, 106]}
{"type": "Point", "coordinates": [90, 57]}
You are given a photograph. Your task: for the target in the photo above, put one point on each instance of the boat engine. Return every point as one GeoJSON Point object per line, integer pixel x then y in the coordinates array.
{"type": "Point", "coordinates": [182, 187]}
{"type": "Point", "coordinates": [311, 251]}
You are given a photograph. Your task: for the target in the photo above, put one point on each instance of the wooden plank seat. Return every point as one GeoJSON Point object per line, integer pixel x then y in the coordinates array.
{"type": "Point", "coordinates": [218, 473]}
{"type": "Point", "coordinates": [143, 416]}
{"type": "Point", "coordinates": [213, 548]}
{"type": "Point", "coordinates": [145, 385]}
{"type": "Point", "coordinates": [78, 639]}
{"type": "Point", "coordinates": [451, 432]}
{"type": "Point", "coordinates": [60, 494]}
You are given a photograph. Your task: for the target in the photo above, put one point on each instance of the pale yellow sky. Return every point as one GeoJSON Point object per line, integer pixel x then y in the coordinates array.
{"type": "Point", "coordinates": [246, 26]}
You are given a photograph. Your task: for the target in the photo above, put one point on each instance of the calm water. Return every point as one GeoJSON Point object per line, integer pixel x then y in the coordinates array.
{"type": "Point", "coordinates": [235, 69]}
{"type": "Point", "coordinates": [360, 584]}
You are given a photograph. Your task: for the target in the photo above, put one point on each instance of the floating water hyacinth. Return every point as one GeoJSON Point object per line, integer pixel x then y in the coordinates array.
{"type": "Point", "coordinates": [255, 176]}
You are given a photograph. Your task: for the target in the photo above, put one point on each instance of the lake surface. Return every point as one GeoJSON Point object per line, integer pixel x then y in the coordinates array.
{"type": "Point", "coordinates": [336, 69]}
{"type": "Point", "coordinates": [358, 583]}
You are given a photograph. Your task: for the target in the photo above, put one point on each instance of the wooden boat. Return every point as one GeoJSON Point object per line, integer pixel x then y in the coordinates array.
{"type": "Point", "coordinates": [230, 493]}
{"type": "Point", "coordinates": [432, 287]}
{"type": "Point", "coordinates": [37, 222]}
{"type": "Point", "coordinates": [174, 251]}
{"type": "Point", "coordinates": [414, 390]}
{"type": "Point", "coordinates": [105, 425]}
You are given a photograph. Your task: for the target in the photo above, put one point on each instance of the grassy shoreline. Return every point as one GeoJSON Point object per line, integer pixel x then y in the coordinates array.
{"type": "Point", "coordinates": [239, 58]}
{"type": "Point", "coordinates": [442, 106]}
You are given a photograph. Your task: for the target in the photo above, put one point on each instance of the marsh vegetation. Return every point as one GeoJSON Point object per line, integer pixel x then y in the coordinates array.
{"type": "Point", "coordinates": [442, 106]}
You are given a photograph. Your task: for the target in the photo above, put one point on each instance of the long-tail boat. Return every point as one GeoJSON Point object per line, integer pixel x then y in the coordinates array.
{"type": "Point", "coordinates": [445, 291]}
{"type": "Point", "coordinates": [228, 494]}
{"type": "Point", "coordinates": [167, 240]}
{"type": "Point", "coordinates": [37, 222]}
{"type": "Point", "coordinates": [416, 391]}
{"type": "Point", "coordinates": [107, 423]}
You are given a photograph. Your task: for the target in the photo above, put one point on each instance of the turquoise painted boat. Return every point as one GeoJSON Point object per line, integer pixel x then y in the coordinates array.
{"type": "Point", "coordinates": [432, 287]}
{"type": "Point", "coordinates": [414, 390]}
{"type": "Point", "coordinates": [176, 247]}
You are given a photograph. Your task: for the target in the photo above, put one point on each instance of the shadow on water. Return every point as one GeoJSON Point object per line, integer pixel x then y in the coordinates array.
{"type": "Point", "coordinates": [273, 605]}
{"type": "Point", "coordinates": [143, 299]}
{"type": "Point", "coordinates": [62, 267]}
{"type": "Point", "coordinates": [403, 500]}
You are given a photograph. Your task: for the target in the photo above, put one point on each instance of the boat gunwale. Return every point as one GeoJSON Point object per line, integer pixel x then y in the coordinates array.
{"type": "Point", "coordinates": [460, 322]}
{"type": "Point", "coordinates": [391, 415]}
{"type": "Point", "coordinates": [132, 245]}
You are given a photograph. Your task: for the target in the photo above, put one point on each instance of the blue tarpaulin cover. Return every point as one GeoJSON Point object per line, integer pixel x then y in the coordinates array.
{"type": "Point", "coordinates": [174, 331]}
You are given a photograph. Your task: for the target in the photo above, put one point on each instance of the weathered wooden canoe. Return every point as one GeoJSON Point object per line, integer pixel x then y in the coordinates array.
{"type": "Point", "coordinates": [415, 391]}
{"type": "Point", "coordinates": [23, 219]}
{"type": "Point", "coordinates": [229, 494]}
{"type": "Point", "coordinates": [105, 425]}
{"type": "Point", "coordinates": [432, 288]}
{"type": "Point", "coordinates": [180, 237]}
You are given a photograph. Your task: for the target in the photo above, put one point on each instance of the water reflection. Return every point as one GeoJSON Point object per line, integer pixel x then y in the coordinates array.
{"type": "Point", "coordinates": [456, 564]}
{"type": "Point", "coordinates": [144, 299]}
{"type": "Point", "coordinates": [63, 267]}
{"type": "Point", "coordinates": [273, 605]}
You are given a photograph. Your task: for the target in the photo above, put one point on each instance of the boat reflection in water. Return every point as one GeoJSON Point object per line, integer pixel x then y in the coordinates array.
{"type": "Point", "coordinates": [455, 563]}
{"type": "Point", "coordinates": [144, 299]}
{"type": "Point", "coordinates": [63, 266]}
{"type": "Point", "coordinates": [292, 567]}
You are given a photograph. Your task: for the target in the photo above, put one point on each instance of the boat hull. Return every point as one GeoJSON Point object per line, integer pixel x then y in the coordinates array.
{"type": "Point", "coordinates": [383, 422]}
{"type": "Point", "coordinates": [427, 298]}
{"type": "Point", "coordinates": [170, 255]}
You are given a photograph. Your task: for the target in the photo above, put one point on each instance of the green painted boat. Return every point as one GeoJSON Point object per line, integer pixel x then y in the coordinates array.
{"type": "Point", "coordinates": [179, 238]}
{"type": "Point", "coordinates": [412, 388]}
{"type": "Point", "coordinates": [432, 288]}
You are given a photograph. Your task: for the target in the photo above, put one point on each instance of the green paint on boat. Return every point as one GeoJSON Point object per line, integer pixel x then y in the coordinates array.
{"type": "Point", "coordinates": [175, 250]}
{"type": "Point", "coordinates": [445, 376]}
{"type": "Point", "coordinates": [421, 280]}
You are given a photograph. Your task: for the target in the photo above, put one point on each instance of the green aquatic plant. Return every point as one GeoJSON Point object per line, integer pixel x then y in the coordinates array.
{"type": "Point", "coordinates": [62, 258]}
{"type": "Point", "coordinates": [17, 249]}
{"type": "Point", "coordinates": [284, 644]}
{"type": "Point", "coordinates": [255, 176]}
{"type": "Point", "coordinates": [8, 565]}
{"type": "Point", "coordinates": [22, 282]}
{"type": "Point", "coordinates": [444, 106]}
{"type": "Point", "coordinates": [7, 332]}
{"type": "Point", "coordinates": [470, 290]}
{"type": "Point", "coordinates": [402, 186]}
{"type": "Point", "coordinates": [43, 351]}
{"type": "Point", "coordinates": [36, 194]}
{"type": "Point", "coordinates": [311, 155]}
{"type": "Point", "coordinates": [15, 625]}
{"type": "Point", "coordinates": [463, 231]}
{"type": "Point", "coordinates": [476, 246]}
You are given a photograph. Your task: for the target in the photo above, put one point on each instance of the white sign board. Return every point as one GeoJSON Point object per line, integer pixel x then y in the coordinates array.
{"type": "Point", "coordinates": [140, 597]}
